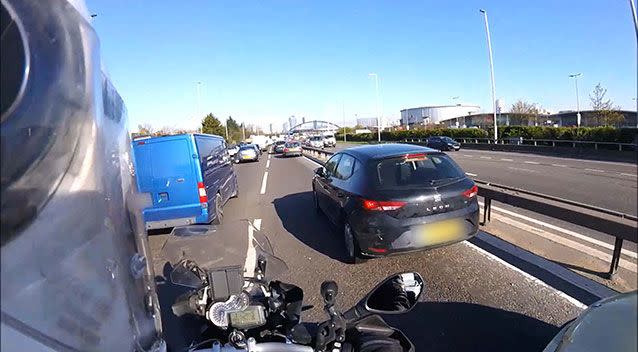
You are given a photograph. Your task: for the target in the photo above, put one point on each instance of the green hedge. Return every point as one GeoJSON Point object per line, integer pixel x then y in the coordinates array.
{"type": "Point", "coordinates": [597, 134]}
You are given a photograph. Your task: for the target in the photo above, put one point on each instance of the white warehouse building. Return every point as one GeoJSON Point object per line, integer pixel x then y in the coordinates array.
{"type": "Point", "coordinates": [436, 114]}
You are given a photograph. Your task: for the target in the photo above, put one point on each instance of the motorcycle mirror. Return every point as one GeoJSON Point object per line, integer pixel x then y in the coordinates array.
{"type": "Point", "coordinates": [396, 294]}
{"type": "Point", "coordinates": [185, 273]}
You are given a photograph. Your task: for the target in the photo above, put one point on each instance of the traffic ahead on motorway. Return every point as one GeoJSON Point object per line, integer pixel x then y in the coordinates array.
{"type": "Point", "coordinates": [113, 241]}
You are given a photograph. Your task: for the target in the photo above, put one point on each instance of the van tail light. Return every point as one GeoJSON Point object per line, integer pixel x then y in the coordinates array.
{"type": "Point", "coordinates": [375, 205]}
{"type": "Point", "coordinates": [203, 198]}
{"type": "Point", "coordinates": [471, 193]}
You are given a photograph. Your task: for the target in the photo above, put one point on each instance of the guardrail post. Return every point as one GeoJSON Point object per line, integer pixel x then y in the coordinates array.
{"type": "Point", "coordinates": [615, 259]}
{"type": "Point", "coordinates": [573, 144]}
{"type": "Point", "coordinates": [595, 146]}
{"type": "Point", "coordinates": [553, 143]}
{"type": "Point", "coordinates": [487, 210]}
{"type": "Point", "coordinates": [619, 147]}
{"type": "Point", "coordinates": [535, 144]}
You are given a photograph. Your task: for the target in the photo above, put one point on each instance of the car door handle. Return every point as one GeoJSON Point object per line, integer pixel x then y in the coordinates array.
{"type": "Point", "coordinates": [341, 194]}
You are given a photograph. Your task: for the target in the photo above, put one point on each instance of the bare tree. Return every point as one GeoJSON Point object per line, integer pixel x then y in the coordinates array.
{"type": "Point", "coordinates": [605, 112]}
{"type": "Point", "coordinates": [526, 112]}
{"type": "Point", "coordinates": [145, 129]}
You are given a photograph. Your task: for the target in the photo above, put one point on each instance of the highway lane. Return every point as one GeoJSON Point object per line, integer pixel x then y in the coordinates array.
{"type": "Point", "coordinates": [610, 185]}
{"type": "Point", "coordinates": [465, 288]}
{"type": "Point", "coordinates": [472, 302]}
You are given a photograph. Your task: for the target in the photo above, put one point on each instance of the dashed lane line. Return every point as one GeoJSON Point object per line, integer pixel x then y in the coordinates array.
{"type": "Point", "coordinates": [263, 183]}
{"type": "Point", "coordinates": [595, 170]}
{"type": "Point", "coordinates": [505, 159]}
{"type": "Point", "coordinates": [471, 174]}
{"type": "Point", "coordinates": [268, 163]}
{"type": "Point", "coordinates": [532, 162]}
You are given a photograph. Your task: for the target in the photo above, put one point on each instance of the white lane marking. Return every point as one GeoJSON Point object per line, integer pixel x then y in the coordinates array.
{"type": "Point", "coordinates": [626, 174]}
{"type": "Point", "coordinates": [263, 183]}
{"type": "Point", "coordinates": [465, 155]}
{"type": "Point", "coordinates": [251, 254]}
{"type": "Point", "coordinates": [471, 174]}
{"type": "Point", "coordinates": [521, 169]}
{"type": "Point", "coordinates": [565, 231]}
{"type": "Point", "coordinates": [595, 170]}
{"type": "Point", "coordinates": [268, 163]}
{"type": "Point", "coordinates": [257, 224]}
{"type": "Point", "coordinates": [567, 243]}
{"type": "Point", "coordinates": [531, 162]}
{"type": "Point", "coordinates": [505, 159]}
{"type": "Point", "coordinates": [486, 157]}
{"type": "Point", "coordinates": [529, 277]}
{"type": "Point", "coordinates": [559, 165]}
{"type": "Point", "coordinates": [269, 156]}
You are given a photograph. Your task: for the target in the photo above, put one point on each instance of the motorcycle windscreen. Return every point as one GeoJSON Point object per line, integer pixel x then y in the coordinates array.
{"type": "Point", "coordinates": [237, 243]}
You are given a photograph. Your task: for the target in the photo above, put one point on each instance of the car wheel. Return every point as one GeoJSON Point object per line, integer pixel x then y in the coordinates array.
{"type": "Point", "coordinates": [219, 214]}
{"type": "Point", "coordinates": [353, 253]}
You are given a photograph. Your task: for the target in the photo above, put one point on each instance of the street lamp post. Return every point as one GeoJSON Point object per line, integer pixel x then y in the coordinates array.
{"type": "Point", "coordinates": [633, 13]}
{"type": "Point", "coordinates": [376, 86]}
{"type": "Point", "coordinates": [489, 49]}
{"type": "Point", "coordinates": [575, 77]}
{"type": "Point", "coordinates": [198, 113]}
{"type": "Point", "coordinates": [343, 113]}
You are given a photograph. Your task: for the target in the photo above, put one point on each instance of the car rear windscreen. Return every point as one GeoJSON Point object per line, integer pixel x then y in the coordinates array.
{"type": "Point", "coordinates": [416, 170]}
{"type": "Point", "coordinates": [292, 145]}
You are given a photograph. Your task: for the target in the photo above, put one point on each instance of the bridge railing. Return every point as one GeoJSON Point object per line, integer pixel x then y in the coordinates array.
{"type": "Point", "coordinates": [623, 227]}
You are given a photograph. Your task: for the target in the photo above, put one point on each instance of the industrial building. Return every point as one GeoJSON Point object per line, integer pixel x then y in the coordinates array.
{"type": "Point", "coordinates": [436, 114]}
{"type": "Point", "coordinates": [367, 122]}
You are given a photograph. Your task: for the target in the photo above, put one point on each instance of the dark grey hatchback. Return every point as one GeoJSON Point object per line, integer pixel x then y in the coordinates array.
{"type": "Point", "coordinates": [394, 198]}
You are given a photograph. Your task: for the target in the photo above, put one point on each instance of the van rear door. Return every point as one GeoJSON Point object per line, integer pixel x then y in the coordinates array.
{"type": "Point", "coordinates": [165, 170]}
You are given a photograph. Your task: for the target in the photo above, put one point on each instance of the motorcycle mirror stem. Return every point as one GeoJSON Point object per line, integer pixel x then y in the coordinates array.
{"type": "Point", "coordinates": [396, 294]}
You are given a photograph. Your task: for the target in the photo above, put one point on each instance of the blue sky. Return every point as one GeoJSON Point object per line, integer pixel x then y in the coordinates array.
{"type": "Point", "coordinates": [262, 61]}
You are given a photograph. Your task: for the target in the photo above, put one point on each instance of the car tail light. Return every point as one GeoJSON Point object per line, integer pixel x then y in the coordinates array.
{"type": "Point", "coordinates": [377, 250]}
{"type": "Point", "coordinates": [203, 198]}
{"type": "Point", "coordinates": [375, 205]}
{"type": "Point", "coordinates": [472, 192]}
{"type": "Point", "coordinates": [285, 150]}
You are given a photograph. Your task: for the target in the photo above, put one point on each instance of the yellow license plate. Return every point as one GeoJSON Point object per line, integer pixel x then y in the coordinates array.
{"type": "Point", "coordinates": [247, 157]}
{"type": "Point", "coordinates": [440, 232]}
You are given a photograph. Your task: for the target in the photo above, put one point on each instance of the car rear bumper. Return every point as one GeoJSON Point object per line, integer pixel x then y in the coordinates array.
{"type": "Point", "coordinates": [292, 154]}
{"type": "Point", "coordinates": [241, 158]}
{"type": "Point", "coordinates": [379, 234]}
{"type": "Point", "coordinates": [156, 218]}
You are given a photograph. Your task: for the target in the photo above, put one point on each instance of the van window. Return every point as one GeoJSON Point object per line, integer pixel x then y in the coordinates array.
{"type": "Point", "coordinates": [208, 146]}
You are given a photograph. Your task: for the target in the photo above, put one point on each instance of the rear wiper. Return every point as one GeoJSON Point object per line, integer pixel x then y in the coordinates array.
{"type": "Point", "coordinates": [441, 180]}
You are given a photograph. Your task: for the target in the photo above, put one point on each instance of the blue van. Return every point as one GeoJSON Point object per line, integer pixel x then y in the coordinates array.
{"type": "Point", "coordinates": [189, 177]}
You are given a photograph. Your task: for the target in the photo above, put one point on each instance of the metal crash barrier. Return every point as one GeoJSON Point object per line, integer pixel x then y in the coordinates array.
{"type": "Point", "coordinates": [618, 225]}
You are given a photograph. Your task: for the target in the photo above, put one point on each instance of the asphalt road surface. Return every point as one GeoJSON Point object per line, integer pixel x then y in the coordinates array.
{"type": "Point", "coordinates": [610, 185]}
{"type": "Point", "coordinates": [472, 302]}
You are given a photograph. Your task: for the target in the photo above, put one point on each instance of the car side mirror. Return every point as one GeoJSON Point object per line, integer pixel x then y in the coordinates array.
{"type": "Point", "coordinates": [320, 171]}
{"type": "Point", "coordinates": [397, 294]}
